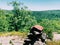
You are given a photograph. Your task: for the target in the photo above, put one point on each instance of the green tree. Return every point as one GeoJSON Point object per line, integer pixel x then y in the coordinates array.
{"type": "Point", "coordinates": [48, 27]}
{"type": "Point", "coordinates": [3, 22]}
{"type": "Point", "coordinates": [22, 18]}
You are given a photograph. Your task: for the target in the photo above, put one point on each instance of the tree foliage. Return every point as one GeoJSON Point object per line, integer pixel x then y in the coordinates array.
{"type": "Point", "coordinates": [21, 17]}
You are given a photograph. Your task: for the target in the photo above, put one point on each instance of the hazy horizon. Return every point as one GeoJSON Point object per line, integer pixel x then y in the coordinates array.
{"type": "Point", "coordinates": [34, 5]}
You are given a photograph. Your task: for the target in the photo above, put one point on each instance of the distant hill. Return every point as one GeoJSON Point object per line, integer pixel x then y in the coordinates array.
{"type": "Point", "coordinates": [50, 14]}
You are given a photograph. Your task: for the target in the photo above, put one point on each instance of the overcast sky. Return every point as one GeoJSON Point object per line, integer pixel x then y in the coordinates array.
{"type": "Point", "coordinates": [37, 5]}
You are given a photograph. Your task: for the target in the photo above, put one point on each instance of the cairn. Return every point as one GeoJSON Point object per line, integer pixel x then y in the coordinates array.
{"type": "Point", "coordinates": [36, 36]}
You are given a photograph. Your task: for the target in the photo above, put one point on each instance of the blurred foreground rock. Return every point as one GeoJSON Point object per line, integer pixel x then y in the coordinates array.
{"type": "Point", "coordinates": [14, 40]}
{"type": "Point", "coordinates": [11, 40]}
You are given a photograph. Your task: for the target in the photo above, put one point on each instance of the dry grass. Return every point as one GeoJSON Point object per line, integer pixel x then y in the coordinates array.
{"type": "Point", "coordinates": [53, 42]}
{"type": "Point", "coordinates": [14, 33]}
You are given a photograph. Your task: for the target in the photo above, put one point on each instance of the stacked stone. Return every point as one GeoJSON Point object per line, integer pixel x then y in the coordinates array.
{"type": "Point", "coordinates": [34, 36]}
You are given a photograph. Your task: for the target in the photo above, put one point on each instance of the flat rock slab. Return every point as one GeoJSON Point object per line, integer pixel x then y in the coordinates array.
{"type": "Point", "coordinates": [9, 40]}
{"type": "Point", "coordinates": [15, 40]}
